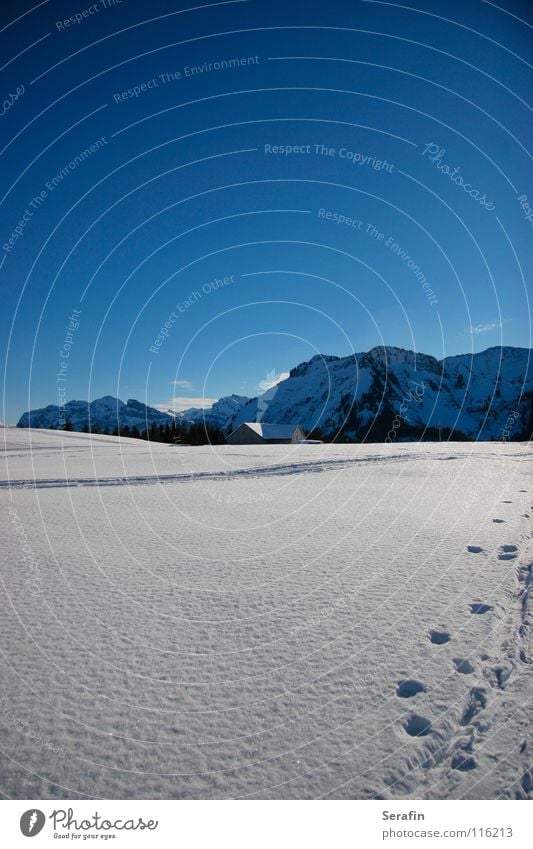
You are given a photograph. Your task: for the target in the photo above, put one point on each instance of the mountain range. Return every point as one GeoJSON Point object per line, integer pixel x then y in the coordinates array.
{"type": "Point", "coordinates": [386, 393]}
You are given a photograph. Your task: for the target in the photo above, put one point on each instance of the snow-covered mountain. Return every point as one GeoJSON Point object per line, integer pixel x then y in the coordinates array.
{"type": "Point", "coordinates": [105, 412]}
{"type": "Point", "coordinates": [385, 394]}
{"type": "Point", "coordinates": [396, 394]}
{"type": "Point", "coordinates": [221, 413]}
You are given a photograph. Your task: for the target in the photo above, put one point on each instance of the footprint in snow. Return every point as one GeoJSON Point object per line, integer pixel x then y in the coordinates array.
{"type": "Point", "coordinates": [507, 552]}
{"type": "Point", "coordinates": [463, 666]}
{"type": "Point", "coordinates": [477, 702]}
{"type": "Point", "coordinates": [501, 674]}
{"type": "Point", "coordinates": [478, 607]}
{"type": "Point", "coordinates": [409, 687]}
{"type": "Point", "coordinates": [417, 726]}
{"type": "Point", "coordinates": [463, 762]}
{"type": "Point", "coordinates": [438, 638]}
{"type": "Point", "coordinates": [474, 549]}
{"type": "Point", "coordinates": [527, 781]}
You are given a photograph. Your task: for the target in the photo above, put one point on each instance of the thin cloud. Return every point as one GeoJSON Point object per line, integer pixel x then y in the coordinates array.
{"type": "Point", "coordinates": [483, 328]}
{"type": "Point", "coordinates": [180, 403]}
{"type": "Point", "coordinates": [185, 384]}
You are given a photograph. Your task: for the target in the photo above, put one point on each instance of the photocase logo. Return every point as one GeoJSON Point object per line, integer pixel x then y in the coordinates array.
{"type": "Point", "coordinates": [268, 387]}
{"type": "Point", "coordinates": [32, 822]}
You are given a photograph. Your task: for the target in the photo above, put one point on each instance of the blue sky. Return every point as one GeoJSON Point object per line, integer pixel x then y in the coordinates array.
{"type": "Point", "coordinates": [242, 186]}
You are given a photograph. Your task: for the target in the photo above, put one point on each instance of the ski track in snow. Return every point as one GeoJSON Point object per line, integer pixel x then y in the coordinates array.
{"type": "Point", "coordinates": [255, 472]}
{"type": "Point", "coordinates": [255, 630]}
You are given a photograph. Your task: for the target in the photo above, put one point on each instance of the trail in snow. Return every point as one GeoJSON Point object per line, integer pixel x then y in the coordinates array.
{"type": "Point", "coordinates": [255, 472]}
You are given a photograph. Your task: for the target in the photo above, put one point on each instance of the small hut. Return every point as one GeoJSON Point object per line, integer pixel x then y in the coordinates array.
{"type": "Point", "coordinates": [259, 433]}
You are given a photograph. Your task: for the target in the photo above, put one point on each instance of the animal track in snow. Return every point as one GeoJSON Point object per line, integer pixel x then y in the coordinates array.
{"type": "Point", "coordinates": [474, 549]}
{"type": "Point", "coordinates": [409, 687]}
{"type": "Point", "coordinates": [417, 726]}
{"type": "Point", "coordinates": [463, 666]}
{"type": "Point", "coordinates": [477, 702]}
{"type": "Point", "coordinates": [439, 637]}
{"type": "Point", "coordinates": [479, 607]}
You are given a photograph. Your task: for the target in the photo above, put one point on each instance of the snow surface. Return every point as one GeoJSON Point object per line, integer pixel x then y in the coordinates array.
{"type": "Point", "coordinates": [287, 621]}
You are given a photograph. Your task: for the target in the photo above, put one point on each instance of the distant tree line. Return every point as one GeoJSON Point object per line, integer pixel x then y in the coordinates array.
{"type": "Point", "coordinates": [176, 433]}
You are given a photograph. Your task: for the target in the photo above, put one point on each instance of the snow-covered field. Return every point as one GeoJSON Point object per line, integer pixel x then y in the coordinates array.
{"type": "Point", "coordinates": [264, 622]}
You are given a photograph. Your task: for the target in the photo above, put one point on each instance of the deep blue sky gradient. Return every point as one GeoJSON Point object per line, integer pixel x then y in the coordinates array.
{"type": "Point", "coordinates": [182, 192]}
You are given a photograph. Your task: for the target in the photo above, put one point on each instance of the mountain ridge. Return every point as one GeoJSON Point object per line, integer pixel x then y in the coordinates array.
{"type": "Point", "coordinates": [387, 393]}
